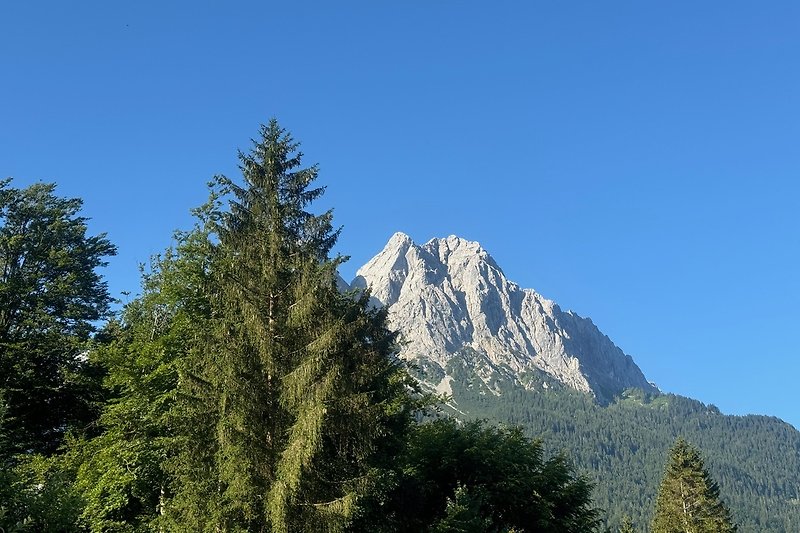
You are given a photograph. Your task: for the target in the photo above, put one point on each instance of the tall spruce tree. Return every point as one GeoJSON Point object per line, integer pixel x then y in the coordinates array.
{"type": "Point", "coordinates": [688, 499]}
{"type": "Point", "coordinates": [296, 382]}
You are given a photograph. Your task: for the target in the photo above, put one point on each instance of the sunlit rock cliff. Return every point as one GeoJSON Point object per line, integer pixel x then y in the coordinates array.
{"type": "Point", "coordinates": [453, 305]}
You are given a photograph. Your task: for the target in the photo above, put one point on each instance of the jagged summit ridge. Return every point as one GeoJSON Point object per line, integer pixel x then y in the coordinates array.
{"type": "Point", "coordinates": [449, 297]}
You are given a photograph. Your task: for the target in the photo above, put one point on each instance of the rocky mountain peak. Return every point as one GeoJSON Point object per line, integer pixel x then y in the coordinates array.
{"type": "Point", "coordinates": [399, 240]}
{"type": "Point", "coordinates": [450, 299]}
{"type": "Point", "coordinates": [458, 253]}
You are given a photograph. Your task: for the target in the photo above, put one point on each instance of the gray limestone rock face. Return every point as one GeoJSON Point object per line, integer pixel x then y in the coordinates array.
{"type": "Point", "coordinates": [449, 295]}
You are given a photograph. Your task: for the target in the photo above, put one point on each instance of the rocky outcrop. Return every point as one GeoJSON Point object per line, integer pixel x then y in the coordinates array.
{"type": "Point", "coordinates": [449, 296]}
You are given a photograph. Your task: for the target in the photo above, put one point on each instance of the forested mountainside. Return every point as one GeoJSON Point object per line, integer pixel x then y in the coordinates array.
{"type": "Point", "coordinates": [623, 446]}
{"type": "Point", "coordinates": [511, 356]}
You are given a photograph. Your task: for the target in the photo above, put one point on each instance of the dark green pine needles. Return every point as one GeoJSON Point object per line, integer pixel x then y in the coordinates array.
{"type": "Point", "coordinates": [299, 379]}
{"type": "Point", "coordinates": [688, 499]}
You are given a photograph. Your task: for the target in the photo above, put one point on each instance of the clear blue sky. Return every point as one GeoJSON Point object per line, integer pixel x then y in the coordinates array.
{"type": "Point", "coordinates": [635, 161]}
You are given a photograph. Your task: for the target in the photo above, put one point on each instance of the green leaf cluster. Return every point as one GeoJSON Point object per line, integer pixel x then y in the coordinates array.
{"type": "Point", "coordinates": [475, 477]}
{"type": "Point", "coordinates": [121, 473]}
{"type": "Point", "coordinates": [51, 295]}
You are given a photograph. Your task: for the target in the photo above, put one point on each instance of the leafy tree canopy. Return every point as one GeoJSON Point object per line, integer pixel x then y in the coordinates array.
{"type": "Point", "coordinates": [482, 478]}
{"type": "Point", "coordinates": [51, 294]}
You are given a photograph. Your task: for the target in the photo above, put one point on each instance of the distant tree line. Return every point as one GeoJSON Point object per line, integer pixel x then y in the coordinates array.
{"type": "Point", "coordinates": [624, 447]}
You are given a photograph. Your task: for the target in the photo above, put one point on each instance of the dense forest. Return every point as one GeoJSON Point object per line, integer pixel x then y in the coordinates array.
{"type": "Point", "coordinates": [624, 446]}
{"type": "Point", "coordinates": [242, 391]}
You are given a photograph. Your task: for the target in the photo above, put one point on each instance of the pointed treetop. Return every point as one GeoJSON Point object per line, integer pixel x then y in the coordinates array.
{"type": "Point", "coordinates": [689, 499]}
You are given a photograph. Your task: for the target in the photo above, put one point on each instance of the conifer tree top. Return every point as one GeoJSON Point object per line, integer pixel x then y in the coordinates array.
{"type": "Point", "coordinates": [276, 194]}
{"type": "Point", "coordinates": [688, 499]}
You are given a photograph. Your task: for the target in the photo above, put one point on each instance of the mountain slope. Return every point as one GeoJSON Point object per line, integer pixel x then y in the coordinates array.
{"type": "Point", "coordinates": [623, 447]}
{"type": "Point", "coordinates": [449, 295]}
{"type": "Point", "coordinates": [510, 355]}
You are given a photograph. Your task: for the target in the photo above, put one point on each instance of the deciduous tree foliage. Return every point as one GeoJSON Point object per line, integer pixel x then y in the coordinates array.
{"type": "Point", "coordinates": [481, 478]}
{"type": "Point", "coordinates": [688, 499]}
{"type": "Point", "coordinates": [51, 293]}
{"type": "Point", "coordinates": [121, 474]}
